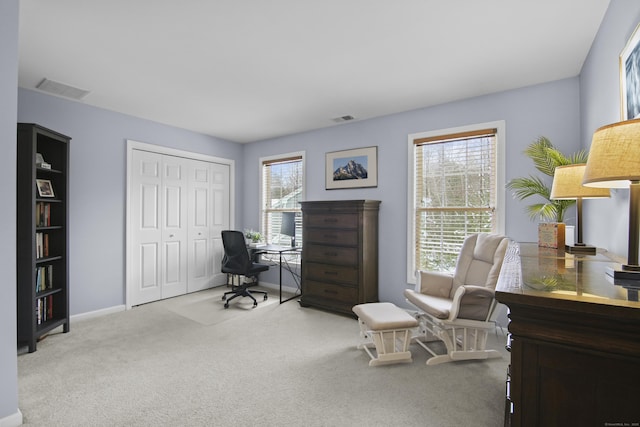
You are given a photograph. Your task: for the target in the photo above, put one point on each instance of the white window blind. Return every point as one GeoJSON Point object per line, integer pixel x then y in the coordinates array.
{"type": "Point", "coordinates": [282, 189]}
{"type": "Point", "coordinates": [455, 194]}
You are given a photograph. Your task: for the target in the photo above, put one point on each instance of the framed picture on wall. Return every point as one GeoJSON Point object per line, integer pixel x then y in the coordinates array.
{"type": "Point", "coordinates": [630, 77]}
{"type": "Point", "coordinates": [356, 168]}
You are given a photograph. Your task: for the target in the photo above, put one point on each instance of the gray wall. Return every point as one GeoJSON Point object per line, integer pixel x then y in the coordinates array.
{"type": "Point", "coordinates": [549, 109]}
{"type": "Point", "coordinates": [606, 222]}
{"type": "Point", "coordinates": [97, 196]}
{"type": "Point", "coordinates": [8, 100]}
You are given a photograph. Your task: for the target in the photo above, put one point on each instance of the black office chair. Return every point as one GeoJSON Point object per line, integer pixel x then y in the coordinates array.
{"type": "Point", "coordinates": [237, 262]}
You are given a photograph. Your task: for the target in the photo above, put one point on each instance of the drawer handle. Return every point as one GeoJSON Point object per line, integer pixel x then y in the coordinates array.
{"type": "Point", "coordinates": [331, 273]}
{"type": "Point", "coordinates": [326, 291]}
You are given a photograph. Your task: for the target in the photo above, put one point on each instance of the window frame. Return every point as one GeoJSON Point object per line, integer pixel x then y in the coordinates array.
{"type": "Point", "coordinates": [274, 159]}
{"type": "Point", "coordinates": [411, 184]}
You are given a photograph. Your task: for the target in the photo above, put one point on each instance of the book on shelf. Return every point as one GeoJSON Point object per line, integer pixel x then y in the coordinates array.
{"type": "Point", "coordinates": [44, 278]}
{"type": "Point", "coordinates": [42, 245]}
{"type": "Point", "coordinates": [44, 309]}
{"type": "Point", "coordinates": [43, 214]}
{"type": "Point", "coordinates": [38, 245]}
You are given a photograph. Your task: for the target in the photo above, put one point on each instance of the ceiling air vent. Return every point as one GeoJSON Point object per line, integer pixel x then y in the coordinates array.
{"type": "Point", "coordinates": [343, 119]}
{"type": "Point", "coordinates": [61, 89]}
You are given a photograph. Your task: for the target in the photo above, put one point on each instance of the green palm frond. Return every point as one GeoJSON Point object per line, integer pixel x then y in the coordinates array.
{"type": "Point", "coordinates": [545, 211]}
{"type": "Point", "coordinates": [545, 158]}
{"type": "Point", "coordinates": [527, 187]}
{"type": "Point", "coordinates": [538, 151]}
{"type": "Point", "coordinates": [579, 157]}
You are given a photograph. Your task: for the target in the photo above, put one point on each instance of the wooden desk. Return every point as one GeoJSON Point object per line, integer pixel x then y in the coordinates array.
{"type": "Point", "coordinates": [575, 339]}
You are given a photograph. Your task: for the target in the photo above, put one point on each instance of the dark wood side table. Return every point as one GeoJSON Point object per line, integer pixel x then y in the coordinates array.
{"type": "Point", "coordinates": [575, 347]}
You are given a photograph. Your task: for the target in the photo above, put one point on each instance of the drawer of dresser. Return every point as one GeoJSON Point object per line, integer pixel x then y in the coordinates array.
{"type": "Point", "coordinates": [331, 220]}
{"type": "Point", "coordinates": [332, 237]}
{"type": "Point", "coordinates": [330, 254]}
{"type": "Point", "coordinates": [311, 288]}
{"type": "Point", "coordinates": [331, 273]}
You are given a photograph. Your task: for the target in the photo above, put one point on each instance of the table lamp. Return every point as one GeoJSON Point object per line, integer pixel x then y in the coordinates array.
{"type": "Point", "coordinates": [614, 162]}
{"type": "Point", "coordinates": [567, 185]}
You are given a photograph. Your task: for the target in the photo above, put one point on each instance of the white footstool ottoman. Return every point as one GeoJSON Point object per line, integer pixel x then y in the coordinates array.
{"type": "Point", "coordinates": [386, 327]}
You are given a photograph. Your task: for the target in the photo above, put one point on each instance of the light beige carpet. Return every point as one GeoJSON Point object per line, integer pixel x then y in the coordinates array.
{"type": "Point", "coordinates": [278, 365]}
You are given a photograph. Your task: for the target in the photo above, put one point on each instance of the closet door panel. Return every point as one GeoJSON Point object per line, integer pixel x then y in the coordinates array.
{"type": "Point", "coordinates": [174, 229]}
{"type": "Point", "coordinates": [199, 225]}
{"type": "Point", "coordinates": [146, 233]}
{"type": "Point", "coordinates": [221, 200]}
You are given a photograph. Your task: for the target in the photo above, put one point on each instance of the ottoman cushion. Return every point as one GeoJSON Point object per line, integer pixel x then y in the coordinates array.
{"type": "Point", "coordinates": [380, 316]}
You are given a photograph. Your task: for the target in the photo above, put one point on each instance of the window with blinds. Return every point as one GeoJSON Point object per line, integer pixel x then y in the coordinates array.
{"type": "Point", "coordinates": [454, 194]}
{"type": "Point", "coordinates": [282, 189]}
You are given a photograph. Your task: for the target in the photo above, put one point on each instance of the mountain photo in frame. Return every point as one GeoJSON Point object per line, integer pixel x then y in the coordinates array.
{"type": "Point", "coordinates": [356, 168]}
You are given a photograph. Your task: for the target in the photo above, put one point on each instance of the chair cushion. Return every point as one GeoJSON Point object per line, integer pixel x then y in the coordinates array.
{"type": "Point", "coordinates": [480, 261]}
{"type": "Point", "coordinates": [257, 268]}
{"type": "Point", "coordinates": [486, 247]}
{"type": "Point", "coordinates": [434, 283]}
{"type": "Point", "coordinates": [436, 306]}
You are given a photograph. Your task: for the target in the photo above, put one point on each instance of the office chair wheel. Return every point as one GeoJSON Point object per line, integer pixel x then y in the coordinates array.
{"type": "Point", "coordinates": [255, 304]}
{"type": "Point", "coordinates": [265, 297]}
{"type": "Point", "coordinates": [224, 297]}
{"type": "Point", "coordinates": [226, 305]}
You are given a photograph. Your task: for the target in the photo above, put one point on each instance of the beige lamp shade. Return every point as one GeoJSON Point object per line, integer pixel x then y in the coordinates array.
{"type": "Point", "coordinates": [567, 184]}
{"type": "Point", "coordinates": [614, 157]}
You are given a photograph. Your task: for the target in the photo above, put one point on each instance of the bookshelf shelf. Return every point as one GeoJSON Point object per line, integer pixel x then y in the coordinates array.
{"type": "Point", "coordinates": [47, 292]}
{"type": "Point", "coordinates": [42, 234]}
{"type": "Point", "coordinates": [50, 325]}
{"type": "Point", "coordinates": [48, 259]}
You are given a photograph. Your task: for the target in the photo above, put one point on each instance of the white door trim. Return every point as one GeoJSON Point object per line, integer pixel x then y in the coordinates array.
{"type": "Point", "coordinates": [143, 146]}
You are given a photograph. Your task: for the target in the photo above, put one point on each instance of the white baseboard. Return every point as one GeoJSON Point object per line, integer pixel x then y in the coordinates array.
{"type": "Point", "coordinates": [13, 420]}
{"type": "Point", "coordinates": [97, 313]}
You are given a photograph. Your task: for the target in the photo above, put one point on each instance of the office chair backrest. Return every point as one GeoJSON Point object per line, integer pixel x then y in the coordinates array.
{"type": "Point", "coordinates": [236, 257]}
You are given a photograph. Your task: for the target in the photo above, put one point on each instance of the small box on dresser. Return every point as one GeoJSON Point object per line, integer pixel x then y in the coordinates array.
{"type": "Point", "coordinates": [339, 254]}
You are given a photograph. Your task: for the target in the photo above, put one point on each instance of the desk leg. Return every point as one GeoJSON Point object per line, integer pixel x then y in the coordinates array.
{"type": "Point", "coordinates": [281, 278]}
{"type": "Point", "coordinates": [295, 279]}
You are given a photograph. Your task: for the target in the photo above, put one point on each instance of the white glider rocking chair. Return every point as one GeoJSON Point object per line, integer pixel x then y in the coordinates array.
{"type": "Point", "coordinates": [457, 309]}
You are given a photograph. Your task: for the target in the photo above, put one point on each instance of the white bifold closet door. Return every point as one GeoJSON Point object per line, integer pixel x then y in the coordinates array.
{"type": "Point", "coordinates": [208, 216]}
{"type": "Point", "coordinates": [178, 208]}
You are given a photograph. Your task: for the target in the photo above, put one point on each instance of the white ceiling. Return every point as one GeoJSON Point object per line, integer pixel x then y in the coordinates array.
{"type": "Point", "coordinates": [247, 70]}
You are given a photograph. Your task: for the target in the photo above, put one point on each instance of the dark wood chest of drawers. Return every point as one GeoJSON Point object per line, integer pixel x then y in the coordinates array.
{"type": "Point", "coordinates": [339, 254]}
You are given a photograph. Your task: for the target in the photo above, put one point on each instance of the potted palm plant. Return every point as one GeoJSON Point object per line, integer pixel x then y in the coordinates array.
{"type": "Point", "coordinates": [546, 158]}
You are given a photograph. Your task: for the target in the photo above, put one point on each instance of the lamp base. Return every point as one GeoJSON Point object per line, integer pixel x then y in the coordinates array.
{"type": "Point", "coordinates": [628, 272]}
{"type": "Point", "coordinates": [580, 248]}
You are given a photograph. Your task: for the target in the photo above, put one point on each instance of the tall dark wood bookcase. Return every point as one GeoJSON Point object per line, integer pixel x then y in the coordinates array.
{"type": "Point", "coordinates": [42, 233]}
